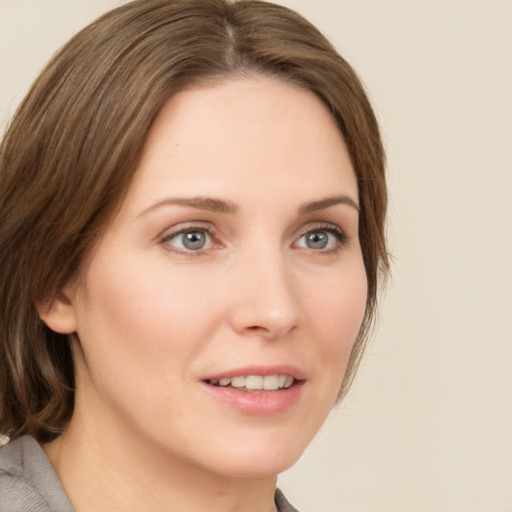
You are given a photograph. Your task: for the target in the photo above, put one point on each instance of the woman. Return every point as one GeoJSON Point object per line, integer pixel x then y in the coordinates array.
{"type": "Point", "coordinates": [192, 208]}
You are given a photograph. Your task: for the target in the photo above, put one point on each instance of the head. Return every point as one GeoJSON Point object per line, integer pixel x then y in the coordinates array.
{"type": "Point", "coordinates": [69, 158]}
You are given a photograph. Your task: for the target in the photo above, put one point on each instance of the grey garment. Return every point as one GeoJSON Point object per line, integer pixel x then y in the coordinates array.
{"type": "Point", "coordinates": [28, 482]}
{"type": "Point", "coordinates": [281, 502]}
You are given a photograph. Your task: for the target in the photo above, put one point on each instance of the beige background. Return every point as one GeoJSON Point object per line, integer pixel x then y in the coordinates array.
{"type": "Point", "coordinates": [428, 424]}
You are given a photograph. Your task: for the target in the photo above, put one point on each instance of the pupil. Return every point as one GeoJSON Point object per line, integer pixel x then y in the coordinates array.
{"type": "Point", "coordinates": [316, 240]}
{"type": "Point", "coordinates": [194, 240]}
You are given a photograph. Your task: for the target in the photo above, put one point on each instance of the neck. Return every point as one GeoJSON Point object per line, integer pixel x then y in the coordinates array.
{"type": "Point", "coordinates": [113, 470]}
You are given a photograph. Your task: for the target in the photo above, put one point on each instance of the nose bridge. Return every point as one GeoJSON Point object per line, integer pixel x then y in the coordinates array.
{"type": "Point", "coordinates": [267, 301]}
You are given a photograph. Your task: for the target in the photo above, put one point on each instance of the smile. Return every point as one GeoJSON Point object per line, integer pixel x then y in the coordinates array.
{"type": "Point", "coordinates": [258, 389]}
{"type": "Point", "coordinates": [255, 382]}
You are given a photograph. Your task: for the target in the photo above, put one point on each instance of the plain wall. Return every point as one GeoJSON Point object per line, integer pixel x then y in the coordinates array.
{"type": "Point", "coordinates": [428, 423]}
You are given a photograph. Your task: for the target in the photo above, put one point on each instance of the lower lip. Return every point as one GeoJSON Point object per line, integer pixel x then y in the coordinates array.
{"type": "Point", "coordinates": [258, 402]}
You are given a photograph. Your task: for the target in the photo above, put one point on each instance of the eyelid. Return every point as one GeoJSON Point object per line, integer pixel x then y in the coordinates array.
{"type": "Point", "coordinates": [319, 226]}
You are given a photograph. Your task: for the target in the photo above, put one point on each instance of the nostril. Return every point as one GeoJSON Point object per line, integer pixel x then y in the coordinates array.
{"type": "Point", "coordinates": [256, 329]}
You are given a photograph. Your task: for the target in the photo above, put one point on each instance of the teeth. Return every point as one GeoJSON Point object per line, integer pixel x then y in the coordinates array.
{"type": "Point", "coordinates": [254, 382]}
{"type": "Point", "coordinates": [238, 382]}
{"type": "Point", "coordinates": [270, 382]}
{"type": "Point", "coordinates": [257, 382]}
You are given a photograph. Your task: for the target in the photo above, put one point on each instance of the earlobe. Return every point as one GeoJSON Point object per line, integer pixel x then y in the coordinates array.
{"type": "Point", "coordinates": [58, 315]}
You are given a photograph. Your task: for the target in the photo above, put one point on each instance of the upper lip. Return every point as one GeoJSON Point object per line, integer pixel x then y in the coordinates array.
{"type": "Point", "coordinates": [263, 370]}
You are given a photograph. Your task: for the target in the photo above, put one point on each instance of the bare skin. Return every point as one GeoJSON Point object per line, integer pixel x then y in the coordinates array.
{"type": "Point", "coordinates": [234, 254]}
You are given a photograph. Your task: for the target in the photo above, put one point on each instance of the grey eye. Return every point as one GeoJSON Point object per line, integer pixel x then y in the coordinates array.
{"type": "Point", "coordinates": [322, 239]}
{"type": "Point", "coordinates": [192, 240]}
{"type": "Point", "coordinates": [316, 239]}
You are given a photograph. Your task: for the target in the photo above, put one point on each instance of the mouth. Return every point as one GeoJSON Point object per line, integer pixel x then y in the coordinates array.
{"type": "Point", "coordinates": [258, 390]}
{"type": "Point", "coordinates": [251, 383]}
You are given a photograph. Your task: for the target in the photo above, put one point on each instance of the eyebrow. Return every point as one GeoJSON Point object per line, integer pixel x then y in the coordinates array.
{"type": "Point", "coordinates": [322, 204]}
{"type": "Point", "coordinates": [199, 202]}
{"type": "Point", "coordinates": [228, 207]}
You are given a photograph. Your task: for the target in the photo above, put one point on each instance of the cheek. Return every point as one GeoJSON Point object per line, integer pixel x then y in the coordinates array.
{"type": "Point", "coordinates": [335, 311]}
{"type": "Point", "coordinates": [144, 315]}
{"type": "Point", "coordinates": [335, 314]}
{"type": "Point", "coordinates": [339, 305]}
{"type": "Point", "coordinates": [140, 328]}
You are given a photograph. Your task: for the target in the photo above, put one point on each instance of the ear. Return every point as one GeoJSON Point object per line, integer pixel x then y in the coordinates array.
{"type": "Point", "coordinates": [59, 315]}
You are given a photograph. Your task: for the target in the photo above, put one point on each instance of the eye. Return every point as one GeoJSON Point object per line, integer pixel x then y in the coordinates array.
{"type": "Point", "coordinates": [188, 240]}
{"type": "Point", "coordinates": [322, 239]}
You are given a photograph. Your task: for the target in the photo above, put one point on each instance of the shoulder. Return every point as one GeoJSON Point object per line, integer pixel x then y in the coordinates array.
{"type": "Point", "coordinates": [28, 480]}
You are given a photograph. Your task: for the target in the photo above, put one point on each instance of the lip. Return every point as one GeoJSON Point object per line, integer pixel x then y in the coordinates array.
{"type": "Point", "coordinates": [263, 403]}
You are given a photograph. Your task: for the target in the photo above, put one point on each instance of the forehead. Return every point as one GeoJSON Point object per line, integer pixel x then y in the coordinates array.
{"type": "Point", "coordinates": [250, 134]}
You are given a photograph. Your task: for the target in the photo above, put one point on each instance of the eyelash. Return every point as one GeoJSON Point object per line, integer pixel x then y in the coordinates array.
{"type": "Point", "coordinates": [340, 236]}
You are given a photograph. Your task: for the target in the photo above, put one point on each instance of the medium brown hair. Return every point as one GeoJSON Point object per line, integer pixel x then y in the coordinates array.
{"type": "Point", "coordinates": [69, 155]}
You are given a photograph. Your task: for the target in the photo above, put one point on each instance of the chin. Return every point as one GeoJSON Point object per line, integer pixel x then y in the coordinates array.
{"type": "Point", "coordinates": [261, 466]}
{"type": "Point", "coordinates": [259, 459]}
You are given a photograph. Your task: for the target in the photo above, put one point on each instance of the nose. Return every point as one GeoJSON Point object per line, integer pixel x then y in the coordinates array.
{"type": "Point", "coordinates": [266, 298]}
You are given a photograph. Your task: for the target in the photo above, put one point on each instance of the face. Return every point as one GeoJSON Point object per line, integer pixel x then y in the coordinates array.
{"type": "Point", "coordinates": [219, 310]}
